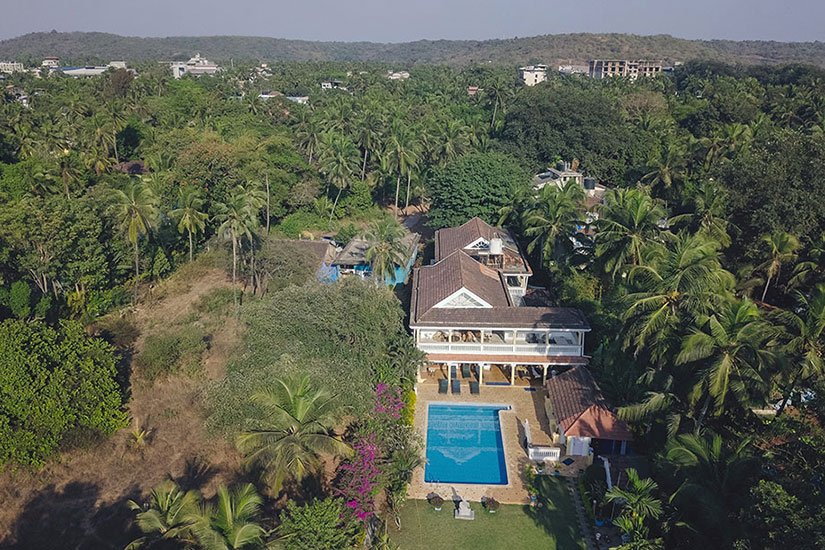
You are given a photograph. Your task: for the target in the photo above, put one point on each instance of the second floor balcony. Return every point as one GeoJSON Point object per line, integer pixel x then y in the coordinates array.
{"type": "Point", "coordinates": [512, 342]}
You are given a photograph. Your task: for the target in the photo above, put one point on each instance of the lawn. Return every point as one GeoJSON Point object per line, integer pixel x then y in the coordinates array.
{"type": "Point", "coordinates": [552, 526]}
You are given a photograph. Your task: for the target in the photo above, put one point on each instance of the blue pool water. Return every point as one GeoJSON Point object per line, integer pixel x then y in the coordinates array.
{"type": "Point", "coordinates": [464, 445]}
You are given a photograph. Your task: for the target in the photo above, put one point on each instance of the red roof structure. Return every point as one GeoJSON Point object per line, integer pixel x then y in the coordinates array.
{"type": "Point", "coordinates": [580, 408]}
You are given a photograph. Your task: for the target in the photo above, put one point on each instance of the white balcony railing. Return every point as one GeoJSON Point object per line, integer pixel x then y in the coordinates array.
{"type": "Point", "coordinates": [509, 349]}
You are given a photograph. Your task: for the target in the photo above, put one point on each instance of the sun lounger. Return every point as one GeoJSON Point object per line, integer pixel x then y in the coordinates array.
{"type": "Point", "coordinates": [474, 387]}
{"type": "Point", "coordinates": [442, 385]}
{"type": "Point", "coordinates": [456, 386]}
{"type": "Point", "coordinates": [465, 371]}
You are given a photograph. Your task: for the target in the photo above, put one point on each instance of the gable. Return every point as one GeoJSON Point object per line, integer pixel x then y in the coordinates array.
{"type": "Point", "coordinates": [478, 244]}
{"type": "Point", "coordinates": [462, 298]}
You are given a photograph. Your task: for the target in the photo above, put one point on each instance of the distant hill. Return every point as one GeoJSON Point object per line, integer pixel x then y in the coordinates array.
{"type": "Point", "coordinates": [86, 47]}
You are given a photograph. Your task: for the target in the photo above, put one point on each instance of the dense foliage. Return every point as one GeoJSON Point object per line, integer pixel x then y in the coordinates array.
{"type": "Point", "coordinates": [56, 384]}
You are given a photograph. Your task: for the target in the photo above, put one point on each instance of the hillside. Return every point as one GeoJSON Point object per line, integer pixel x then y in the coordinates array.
{"type": "Point", "coordinates": [80, 47]}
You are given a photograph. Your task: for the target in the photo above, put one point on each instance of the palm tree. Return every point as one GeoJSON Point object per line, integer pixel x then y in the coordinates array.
{"type": "Point", "coordinates": [686, 282]}
{"type": "Point", "coordinates": [294, 428]}
{"type": "Point", "coordinates": [169, 514]}
{"type": "Point", "coordinates": [667, 168]}
{"type": "Point", "coordinates": [453, 140]}
{"type": "Point", "coordinates": [782, 247]}
{"type": "Point", "coordinates": [387, 250]}
{"type": "Point", "coordinates": [231, 523]}
{"type": "Point", "coordinates": [369, 128]}
{"type": "Point", "coordinates": [189, 215]}
{"type": "Point", "coordinates": [708, 204]}
{"type": "Point", "coordinates": [639, 504]}
{"type": "Point", "coordinates": [309, 135]}
{"type": "Point", "coordinates": [714, 476]}
{"type": "Point", "coordinates": [803, 336]}
{"type": "Point", "coordinates": [628, 222]}
{"type": "Point", "coordinates": [402, 151]}
{"type": "Point", "coordinates": [553, 220]}
{"type": "Point", "coordinates": [137, 212]}
{"type": "Point", "coordinates": [338, 158]}
{"type": "Point", "coordinates": [237, 217]}
{"type": "Point", "coordinates": [730, 347]}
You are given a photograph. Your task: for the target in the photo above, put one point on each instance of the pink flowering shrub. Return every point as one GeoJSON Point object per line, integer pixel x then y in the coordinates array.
{"type": "Point", "coordinates": [359, 478]}
{"type": "Point", "coordinates": [388, 401]}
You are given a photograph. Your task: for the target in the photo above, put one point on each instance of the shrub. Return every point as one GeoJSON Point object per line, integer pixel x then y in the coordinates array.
{"type": "Point", "coordinates": [166, 353]}
{"type": "Point", "coordinates": [319, 525]}
{"type": "Point", "coordinates": [58, 386]}
{"type": "Point", "coordinates": [491, 504]}
{"type": "Point", "coordinates": [218, 300]}
{"type": "Point", "coordinates": [299, 222]}
{"type": "Point", "coordinates": [121, 332]}
{"type": "Point", "coordinates": [408, 412]}
{"type": "Point", "coordinates": [436, 501]}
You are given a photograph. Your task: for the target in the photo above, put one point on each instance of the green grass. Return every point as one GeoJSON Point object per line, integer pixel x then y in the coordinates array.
{"type": "Point", "coordinates": [553, 526]}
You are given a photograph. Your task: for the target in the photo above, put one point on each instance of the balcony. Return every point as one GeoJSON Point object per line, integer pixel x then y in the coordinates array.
{"type": "Point", "coordinates": [493, 349]}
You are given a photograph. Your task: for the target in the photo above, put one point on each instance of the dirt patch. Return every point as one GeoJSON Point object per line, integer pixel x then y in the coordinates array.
{"type": "Point", "coordinates": [78, 500]}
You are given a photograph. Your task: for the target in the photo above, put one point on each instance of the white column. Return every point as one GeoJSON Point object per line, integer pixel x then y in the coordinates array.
{"type": "Point", "coordinates": [544, 375]}
{"type": "Point", "coordinates": [512, 374]}
{"type": "Point", "coordinates": [449, 375]}
{"type": "Point", "coordinates": [480, 373]}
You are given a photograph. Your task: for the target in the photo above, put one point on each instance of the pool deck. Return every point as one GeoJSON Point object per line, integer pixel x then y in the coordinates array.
{"type": "Point", "coordinates": [525, 405]}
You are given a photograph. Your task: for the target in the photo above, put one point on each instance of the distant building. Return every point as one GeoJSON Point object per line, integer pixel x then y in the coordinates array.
{"type": "Point", "coordinates": [573, 69]}
{"type": "Point", "coordinates": [269, 95]}
{"type": "Point", "coordinates": [302, 99]}
{"type": "Point", "coordinates": [11, 67]}
{"type": "Point", "coordinates": [472, 90]}
{"type": "Point", "coordinates": [89, 70]}
{"type": "Point", "coordinates": [398, 75]}
{"type": "Point", "coordinates": [196, 66]}
{"type": "Point", "coordinates": [51, 62]}
{"type": "Point", "coordinates": [533, 74]}
{"type": "Point", "coordinates": [332, 85]}
{"type": "Point", "coordinates": [561, 173]}
{"type": "Point", "coordinates": [632, 69]}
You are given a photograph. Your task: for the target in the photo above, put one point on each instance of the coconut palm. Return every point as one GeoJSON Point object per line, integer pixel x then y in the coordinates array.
{"type": "Point", "coordinates": [686, 282]}
{"type": "Point", "coordinates": [553, 220]}
{"type": "Point", "coordinates": [369, 128]}
{"type": "Point", "coordinates": [189, 214]}
{"type": "Point", "coordinates": [294, 428]}
{"type": "Point", "coordinates": [387, 250]}
{"type": "Point", "coordinates": [453, 139]}
{"type": "Point", "coordinates": [338, 159]}
{"type": "Point", "coordinates": [708, 204]}
{"type": "Point", "coordinates": [782, 248]}
{"type": "Point", "coordinates": [803, 337]}
{"type": "Point", "coordinates": [238, 218]}
{"type": "Point", "coordinates": [667, 168]}
{"type": "Point", "coordinates": [729, 346]}
{"type": "Point", "coordinates": [169, 514]}
{"type": "Point", "coordinates": [231, 522]}
{"type": "Point", "coordinates": [713, 477]}
{"type": "Point", "coordinates": [403, 154]}
{"type": "Point", "coordinates": [136, 211]}
{"type": "Point", "coordinates": [628, 222]}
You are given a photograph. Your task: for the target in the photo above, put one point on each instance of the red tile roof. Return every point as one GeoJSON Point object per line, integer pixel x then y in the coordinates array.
{"type": "Point", "coordinates": [450, 239]}
{"type": "Point", "coordinates": [581, 409]}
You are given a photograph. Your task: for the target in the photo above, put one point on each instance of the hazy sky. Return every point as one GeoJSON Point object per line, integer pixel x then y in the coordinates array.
{"type": "Point", "coordinates": [399, 21]}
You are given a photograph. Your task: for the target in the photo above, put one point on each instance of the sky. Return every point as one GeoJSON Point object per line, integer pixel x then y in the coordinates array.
{"type": "Point", "coordinates": [401, 21]}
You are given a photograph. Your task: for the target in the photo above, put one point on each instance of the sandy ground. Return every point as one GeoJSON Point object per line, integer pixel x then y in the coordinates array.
{"type": "Point", "coordinates": [78, 500]}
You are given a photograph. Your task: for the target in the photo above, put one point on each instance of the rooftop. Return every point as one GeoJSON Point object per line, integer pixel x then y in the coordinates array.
{"type": "Point", "coordinates": [355, 252]}
{"type": "Point", "coordinates": [474, 237]}
{"type": "Point", "coordinates": [581, 409]}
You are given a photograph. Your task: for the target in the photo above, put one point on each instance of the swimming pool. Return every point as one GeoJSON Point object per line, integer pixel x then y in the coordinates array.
{"type": "Point", "coordinates": [464, 444]}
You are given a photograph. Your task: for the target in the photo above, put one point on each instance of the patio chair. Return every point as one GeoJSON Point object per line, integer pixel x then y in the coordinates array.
{"type": "Point", "coordinates": [456, 386]}
{"type": "Point", "coordinates": [465, 371]}
{"type": "Point", "coordinates": [442, 385]}
{"type": "Point", "coordinates": [475, 389]}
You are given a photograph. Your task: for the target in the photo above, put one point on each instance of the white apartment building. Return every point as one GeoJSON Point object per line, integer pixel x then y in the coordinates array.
{"type": "Point", "coordinates": [9, 67]}
{"type": "Point", "coordinates": [533, 74]}
{"type": "Point", "coordinates": [196, 66]}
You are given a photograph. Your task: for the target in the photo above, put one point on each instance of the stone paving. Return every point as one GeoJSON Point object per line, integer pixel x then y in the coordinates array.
{"type": "Point", "coordinates": [525, 405]}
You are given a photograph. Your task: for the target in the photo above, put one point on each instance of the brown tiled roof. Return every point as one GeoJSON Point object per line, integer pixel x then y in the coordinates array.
{"type": "Point", "coordinates": [450, 239]}
{"type": "Point", "coordinates": [581, 409]}
{"type": "Point", "coordinates": [434, 283]}
{"type": "Point", "coordinates": [496, 358]}
{"type": "Point", "coordinates": [505, 317]}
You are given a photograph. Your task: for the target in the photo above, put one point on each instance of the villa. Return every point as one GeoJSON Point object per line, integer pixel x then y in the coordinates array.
{"type": "Point", "coordinates": [196, 66]}
{"type": "Point", "coordinates": [468, 311]}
